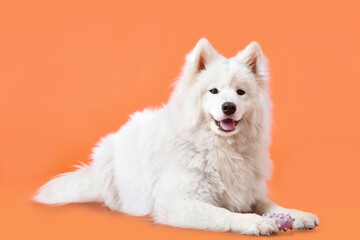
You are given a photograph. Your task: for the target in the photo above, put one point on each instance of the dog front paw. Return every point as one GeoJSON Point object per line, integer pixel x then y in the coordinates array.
{"type": "Point", "coordinates": [256, 225]}
{"type": "Point", "coordinates": [304, 220]}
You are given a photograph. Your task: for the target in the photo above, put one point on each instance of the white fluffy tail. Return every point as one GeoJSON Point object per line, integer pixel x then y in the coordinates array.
{"type": "Point", "coordinates": [78, 186]}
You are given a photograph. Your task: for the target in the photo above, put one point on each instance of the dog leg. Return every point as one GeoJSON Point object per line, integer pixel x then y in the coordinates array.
{"type": "Point", "coordinates": [201, 215]}
{"type": "Point", "coordinates": [303, 220]}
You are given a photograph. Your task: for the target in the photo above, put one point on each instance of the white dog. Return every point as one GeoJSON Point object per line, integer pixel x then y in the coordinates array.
{"type": "Point", "coordinates": [201, 161]}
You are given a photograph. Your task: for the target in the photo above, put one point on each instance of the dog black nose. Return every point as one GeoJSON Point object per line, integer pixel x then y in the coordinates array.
{"type": "Point", "coordinates": [228, 108]}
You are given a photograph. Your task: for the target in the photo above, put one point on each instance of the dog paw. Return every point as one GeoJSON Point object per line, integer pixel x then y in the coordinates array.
{"type": "Point", "coordinates": [256, 225]}
{"type": "Point", "coordinates": [304, 220]}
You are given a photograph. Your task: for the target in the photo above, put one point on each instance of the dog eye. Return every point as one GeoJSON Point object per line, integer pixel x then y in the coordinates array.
{"type": "Point", "coordinates": [214, 91]}
{"type": "Point", "coordinates": [240, 92]}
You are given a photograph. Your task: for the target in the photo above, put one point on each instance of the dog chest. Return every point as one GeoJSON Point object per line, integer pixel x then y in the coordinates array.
{"type": "Point", "coordinates": [234, 182]}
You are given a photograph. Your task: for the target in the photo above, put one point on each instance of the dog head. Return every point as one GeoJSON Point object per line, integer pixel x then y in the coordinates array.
{"type": "Point", "coordinates": [221, 94]}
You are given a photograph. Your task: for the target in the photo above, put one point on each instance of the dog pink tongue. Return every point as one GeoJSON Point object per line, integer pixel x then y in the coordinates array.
{"type": "Point", "coordinates": [227, 124]}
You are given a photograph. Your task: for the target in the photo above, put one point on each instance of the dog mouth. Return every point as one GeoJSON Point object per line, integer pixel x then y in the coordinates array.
{"type": "Point", "coordinates": [227, 124]}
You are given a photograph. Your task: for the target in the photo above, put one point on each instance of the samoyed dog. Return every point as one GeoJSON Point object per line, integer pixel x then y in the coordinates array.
{"type": "Point", "coordinates": [201, 161]}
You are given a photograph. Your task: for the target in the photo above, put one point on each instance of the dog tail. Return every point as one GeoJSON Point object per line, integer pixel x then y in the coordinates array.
{"type": "Point", "coordinates": [78, 186]}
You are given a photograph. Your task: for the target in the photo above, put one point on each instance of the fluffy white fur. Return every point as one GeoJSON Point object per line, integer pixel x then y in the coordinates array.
{"type": "Point", "coordinates": [176, 164]}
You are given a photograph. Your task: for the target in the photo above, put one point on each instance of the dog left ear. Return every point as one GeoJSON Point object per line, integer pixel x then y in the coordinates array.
{"type": "Point", "coordinates": [254, 58]}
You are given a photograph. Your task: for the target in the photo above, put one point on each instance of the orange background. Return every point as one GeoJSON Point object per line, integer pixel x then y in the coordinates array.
{"type": "Point", "coordinates": [72, 72]}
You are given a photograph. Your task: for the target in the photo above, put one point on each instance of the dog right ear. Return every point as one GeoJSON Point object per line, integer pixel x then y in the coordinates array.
{"type": "Point", "coordinates": [200, 56]}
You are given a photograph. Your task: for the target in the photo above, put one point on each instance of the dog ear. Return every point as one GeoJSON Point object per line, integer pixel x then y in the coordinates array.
{"type": "Point", "coordinates": [254, 58]}
{"type": "Point", "coordinates": [201, 56]}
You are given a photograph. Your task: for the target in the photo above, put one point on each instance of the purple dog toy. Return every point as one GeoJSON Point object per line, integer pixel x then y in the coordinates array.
{"type": "Point", "coordinates": [283, 222]}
